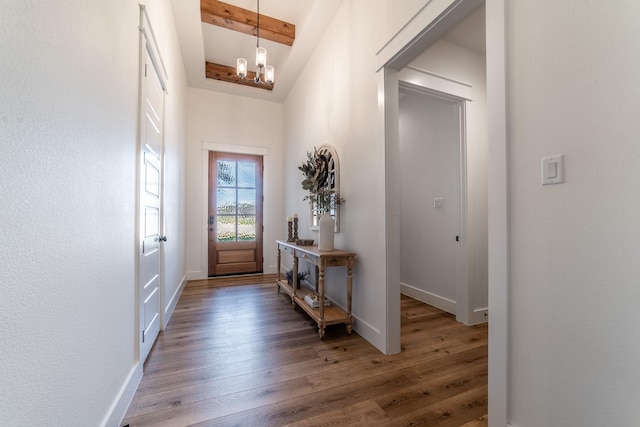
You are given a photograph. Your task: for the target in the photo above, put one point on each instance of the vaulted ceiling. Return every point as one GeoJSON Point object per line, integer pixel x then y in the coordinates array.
{"type": "Point", "coordinates": [235, 18]}
{"type": "Point", "coordinates": [213, 34]}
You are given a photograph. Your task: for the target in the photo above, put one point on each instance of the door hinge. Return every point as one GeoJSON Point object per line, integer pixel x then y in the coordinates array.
{"type": "Point", "coordinates": [457, 238]}
{"type": "Point", "coordinates": [143, 336]}
{"type": "Point", "coordinates": [145, 70]}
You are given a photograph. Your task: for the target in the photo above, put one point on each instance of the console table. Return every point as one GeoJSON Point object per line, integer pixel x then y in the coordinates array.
{"type": "Point", "coordinates": [322, 315]}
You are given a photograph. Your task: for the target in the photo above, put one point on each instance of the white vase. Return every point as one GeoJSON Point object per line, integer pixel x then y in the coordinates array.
{"type": "Point", "coordinates": [326, 226]}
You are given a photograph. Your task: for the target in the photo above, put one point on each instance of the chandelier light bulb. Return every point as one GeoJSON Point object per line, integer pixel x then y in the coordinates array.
{"type": "Point", "coordinates": [269, 74]}
{"type": "Point", "coordinates": [261, 57]}
{"type": "Point", "coordinates": [241, 68]}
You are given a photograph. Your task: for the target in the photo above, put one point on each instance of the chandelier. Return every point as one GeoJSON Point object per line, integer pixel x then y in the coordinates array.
{"type": "Point", "coordinates": [261, 61]}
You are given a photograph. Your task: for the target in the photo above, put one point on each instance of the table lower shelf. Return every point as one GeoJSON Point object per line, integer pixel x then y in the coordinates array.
{"type": "Point", "coordinates": [332, 314]}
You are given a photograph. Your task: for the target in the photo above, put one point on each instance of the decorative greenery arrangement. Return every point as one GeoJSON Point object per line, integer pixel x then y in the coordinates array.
{"type": "Point", "coordinates": [316, 181]}
{"type": "Point", "coordinates": [315, 171]}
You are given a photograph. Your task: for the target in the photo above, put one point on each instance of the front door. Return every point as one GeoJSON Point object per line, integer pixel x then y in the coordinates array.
{"type": "Point", "coordinates": [235, 213]}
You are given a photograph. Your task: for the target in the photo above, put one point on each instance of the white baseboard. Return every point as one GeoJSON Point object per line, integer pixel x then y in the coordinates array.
{"type": "Point", "coordinates": [196, 275]}
{"type": "Point", "coordinates": [123, 400]}
{"type": "Point", "coordinates": [428, 298]}
{"type": "Point", "coordinates": [479, 315]}
{"type": "Point", "coordinates": [368, 332]}
{"type": "Point", "coordinates": [168, 311]}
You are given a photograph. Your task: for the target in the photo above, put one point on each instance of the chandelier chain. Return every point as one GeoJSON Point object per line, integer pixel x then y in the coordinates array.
{"type": "Point", "coordinates": [258, 28]}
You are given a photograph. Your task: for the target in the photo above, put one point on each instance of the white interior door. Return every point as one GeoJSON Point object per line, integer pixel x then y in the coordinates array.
{"type": "Point", "coordinates": [150, 250]}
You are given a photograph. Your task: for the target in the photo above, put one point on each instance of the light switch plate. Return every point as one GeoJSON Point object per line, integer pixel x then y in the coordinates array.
{"type": "Point", "coordinates": [553, 169]}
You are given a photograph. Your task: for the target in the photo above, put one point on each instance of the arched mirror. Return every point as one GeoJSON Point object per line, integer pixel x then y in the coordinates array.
{"type": "Point", "coordinates": [331, 188]}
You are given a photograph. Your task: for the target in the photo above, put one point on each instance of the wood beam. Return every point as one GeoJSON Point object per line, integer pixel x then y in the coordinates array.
{"type": "Point", "coordinates": [235, 18]}
{"type": "Point", "coordinates": [228, 74]}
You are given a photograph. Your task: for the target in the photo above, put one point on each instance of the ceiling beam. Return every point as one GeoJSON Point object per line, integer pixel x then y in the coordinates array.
{"type": "Point", "coordinates": [235, 18]}
{"type": "Point", "coordinates": [228, 74]}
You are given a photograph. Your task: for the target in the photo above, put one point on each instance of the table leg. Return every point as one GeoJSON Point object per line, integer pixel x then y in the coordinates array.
{"type": "Point", "coordinates": [321, 324]}
{"type": "Point", "coordinates": [278, 277]}
{"type": "Point", "coordinates": [317, 278]}
{"type": "Point", "coordinates": [349, 293]}
{"type": "Point", "coordinates": [295, 279]}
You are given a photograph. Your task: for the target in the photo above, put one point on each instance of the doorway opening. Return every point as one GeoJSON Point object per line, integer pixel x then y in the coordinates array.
{"type": "Point", "coordinates": [235, 214]}
{"type": "Point", "coordinates": [433, 200]}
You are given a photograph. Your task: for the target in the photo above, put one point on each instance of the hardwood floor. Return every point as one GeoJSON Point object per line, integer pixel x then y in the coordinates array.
{"type": "Point", "coordinates": [235, 353]}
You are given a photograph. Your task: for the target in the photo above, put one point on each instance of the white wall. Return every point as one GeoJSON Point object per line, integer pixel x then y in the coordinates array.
{"type": "Point", "coordinates": [467, 68]}
{"type": "Point", "coordinates": [574, 290]}
{"type": "Point", "coordinates": [391, 16]}
{"type": "Point", "coordinates": [335, 101]}
{"type": "Point", "coordinates": [218, 119]}
{"type": "Point", "coordinates": [68, 136]}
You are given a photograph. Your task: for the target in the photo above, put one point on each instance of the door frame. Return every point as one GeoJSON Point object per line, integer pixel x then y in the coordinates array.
{"type": "Point", "coordinates": [235, 149]}
{"type": "Point", "coordinates": [433, 20]}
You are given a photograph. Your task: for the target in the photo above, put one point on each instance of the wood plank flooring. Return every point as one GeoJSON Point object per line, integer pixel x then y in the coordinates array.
{"type": "Point", "coordinates": [235, 353]}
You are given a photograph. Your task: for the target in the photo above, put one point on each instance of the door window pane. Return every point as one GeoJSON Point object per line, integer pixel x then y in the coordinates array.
{"type": "Point", "coordinates": [247, 202]}
{"type": "Point", "coordinates": [226, 173]}
{"type": "Point", "coordinates": [246, 174]}
{"type": "Point", "coordinates": [226, 228]}
{"type": "Point", "coordinates": [247, 227]}
{"type": "Point", "coordinates": [226, 201]}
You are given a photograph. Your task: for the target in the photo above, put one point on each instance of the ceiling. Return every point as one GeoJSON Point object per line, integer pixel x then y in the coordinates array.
{"type": "Point", "coordinates": [202, 42]}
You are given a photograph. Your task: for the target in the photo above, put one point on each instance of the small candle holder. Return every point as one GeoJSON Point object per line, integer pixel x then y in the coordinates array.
{"type": "Point", "coordinates": [289, 232]}
{"type": "Point", "coordinates": [295, 228]}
